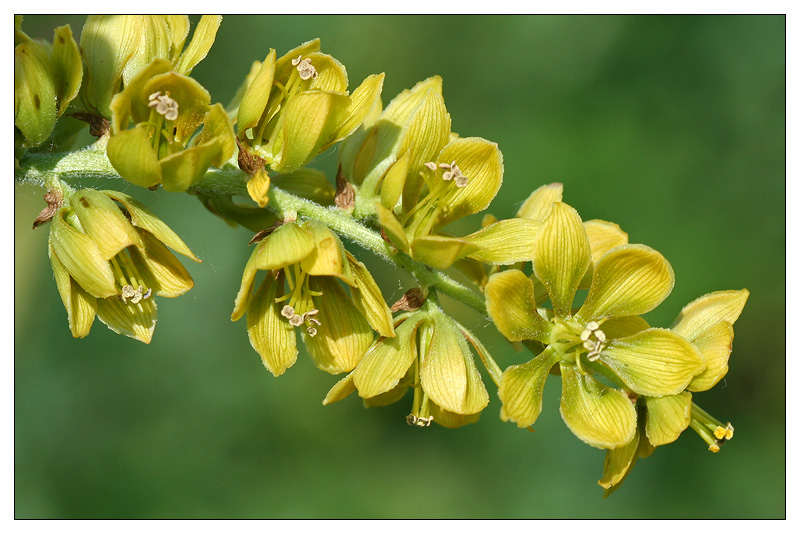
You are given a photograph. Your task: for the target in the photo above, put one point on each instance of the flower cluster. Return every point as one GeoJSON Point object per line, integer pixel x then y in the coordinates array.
{"type": "Point", "coordinates": [571, 291]}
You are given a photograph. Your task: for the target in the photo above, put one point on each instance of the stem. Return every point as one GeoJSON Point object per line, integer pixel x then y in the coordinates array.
{"type": "Point", "coordinates": [92, 162]}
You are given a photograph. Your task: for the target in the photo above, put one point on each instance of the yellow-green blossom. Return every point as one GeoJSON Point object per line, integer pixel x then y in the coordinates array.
{"type": "Point", "coordinates": [295, 107]}
{"type": "Point", "coordinates": [110, 258]}
{"type": "Point", "coordinates": [603, 338]}
{"type": "Point", "coordinates": [304, 263]}
{"type": "Point", "coordinates": [429, 354]}
{"type": "Point", "coordinates": [176, 133]}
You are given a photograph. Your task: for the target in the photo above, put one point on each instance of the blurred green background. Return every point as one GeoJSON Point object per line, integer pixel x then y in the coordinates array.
{"type": "Point", "coordinates": [672, 127]}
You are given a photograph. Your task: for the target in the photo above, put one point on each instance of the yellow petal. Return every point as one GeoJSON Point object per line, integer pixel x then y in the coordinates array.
{"type": "Point", "coordinates": [137, 321]}
{"type": "Point", "coordinates": [362, 101]}
{"type": "Point", "coordinates": [521, 389]}
{"type": "Point", "coordinates": [204, 35]}
{"type": "Point", "coordinates": [327, 258]}
{"type": "Point", "coordinates": [131, 154]}
{"type": "Point", "coordinates": [505, 242]}
{"type": "Point", "coordinates": [448, 373]}
{"type": "Point", "coordinates": [307, 183]}
{"type": "Point", "coordinates": [340, 390]}
{"type": "Point", "coordinates": [255, 98]}
{"type": "Point", "coordinates": [482, 162]}
{"type": "Point", "coordinates": [103, 221]}
{"type": "Point", "coordinates": [245, 288]}
{"type": "Point", "coordinates": [667, 417]}
{"type": "Point", "coordinates": [704, 312]}
{"type": "Point", "coordinates": [511, 304]}
{"type": "Point", "coordinates": [392, 227]}
{"type": "Point", "coordinates": [603, 236]}
{"type": "Point", "coordinates": [160, 270]}
{"type": "Point", "coordinates": [258, 187]}
{"type": "Point", "coordinates": [288, 244]}
{"type": "Point", "coordinates": [270, 334]}
{"type": "Point", "coordinates": [628, 280]}
{"type": "Point", "coordinates": [143, 218]}
{"type": "Point", "coordinates": [67, 67]}
{"type": "Point", "coordinates": [715, 345]}
{"type": "Point", "coordinates": [81, 307]}
{"type": "Point", "coordinates": [81, 258]}
{"type": "Point", "coordinates": [343, 335]}
{"type": "Point", "coordinates": [452, 420]}
{"type": "Point", "coordinates": [369, 299]}
{"type": "Point", "coordinates": [538, 205]}
{"type": "Point", "coordinates": [618, 463]}
{"type": "Point", "coordinates": [654, 362]}
{"type": "Point", "coordinates": [562, 256]}
{"type": "Point", "coordinates": [440, 251]}
{"type": "Point", "coordinates": [599, 415]}
{"type": "Point", "coordinates": [394, 180]}
{"type": "Point", "coordinates": [387, 361]}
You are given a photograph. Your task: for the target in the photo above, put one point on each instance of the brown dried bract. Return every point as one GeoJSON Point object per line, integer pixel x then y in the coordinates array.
{"type": "Point", "coordinates": [345, 192]}
{"type": "Point", "coordinates": [54, 200]}
{"type": "Point", "coordinates": [411, 300]}
{"type": "Point", "coordinates": [249, 162]}
{"type": "Point", "coordinates": [98, 126]}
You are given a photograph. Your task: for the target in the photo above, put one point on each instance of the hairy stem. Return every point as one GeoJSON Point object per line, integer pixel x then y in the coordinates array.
{"type": "Point", "coordinates": [92, 162]}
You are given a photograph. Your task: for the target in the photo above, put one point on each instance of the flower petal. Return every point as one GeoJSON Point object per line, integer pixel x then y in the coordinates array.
{"type": "Point", "coordinates": [440, 251]}
{"type": "Point", "coordinates": [505, 242]}
{"type": "Point", "coordinates": [159, 268]}
{"type": "Point", "coordinates": [521, 389]}
{"type": "Point", "coordinates": [255, 98]}
{"type": "Point", "coordinates": [654, 362]}
{"type": "Point", "coordinates": [81, 307]}
{"type": "Point", "coordinates": [715, 345]}
{"type": "Point", "coordinates": [603, 236]}
{"type": "Point", "coordinates": [340, 390]}
{"type": "Point", "coordinates": [628, 280]}
{"type": "Point", "coordinates": [704, 312]}
{"type": "Point", "coordinates": [448, 373]}
{"type": "Point", "coordinates": [562, 256]}
{"type": "Point", "coordinates": [448, 419]}
{"type": "Point", "coordinates": [667, 417]}
{"type": "Point", "coordinates": [369, 299]}
{"type": "Point", "coordinates": [343, 336]}
{"type": "Point", "coordinates": [599, 415]}
{"type": "Point", "coordinates": [538, 205]}
{"type": "Point", "coordinates": [387, 361]}
{"type": "Point", "coordinates": [270, 334]}
{"type": "Point", "coordinates": [137, 321]}
{"type": "Point", "coordinates": [288, 244]}
{"type": "Point", "coordinates": [618, 463]}
{"type": "Point", "coordinates": [392, 227]}
{"type": "Point", "coordinates": [511, 304]}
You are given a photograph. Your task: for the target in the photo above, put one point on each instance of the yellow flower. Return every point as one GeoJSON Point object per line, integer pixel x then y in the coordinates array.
{"type": "Point", "coordinates": [603, 338]}
{"type": "Point", "coordinates": [110, 258]}
{"type": "Point", "coordinates": [429, 354]}
{"type": "Point", "coordinates": [336, 328]}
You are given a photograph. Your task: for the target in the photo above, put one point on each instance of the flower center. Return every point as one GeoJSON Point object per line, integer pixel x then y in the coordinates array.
{"type": "Point", "coordinates": [443, 181]}
{"type": "Point", "coordinates": [300, 308]}
{"type": "Point", "coordinates": [572, 340]}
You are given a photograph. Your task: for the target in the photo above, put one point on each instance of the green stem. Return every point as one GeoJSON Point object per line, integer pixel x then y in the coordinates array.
{"type": "Point", "coordinates": [92, 163]}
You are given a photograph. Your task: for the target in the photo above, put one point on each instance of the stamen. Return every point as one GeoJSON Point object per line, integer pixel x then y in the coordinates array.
{"type": "Point", "coordinates": [594, 346]}
{"type": "Point", "coordinates": [305, 68]}
{"type": "Point", "coordinates": [311, 331]}
{"type": "Point", "coordinates": [431, 165]}
{"type": "Point", "coordinates": [421, 422]}
{"type": "Point", "coordinates": [296, 320]}
{"type": "Point", "coordinates": [287, 312]}
{"type": "Point", "coordinates": [164, 105]}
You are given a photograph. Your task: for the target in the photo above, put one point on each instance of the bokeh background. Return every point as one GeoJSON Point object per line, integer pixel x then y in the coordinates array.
{"type": "Point", "coordinates": [673, 127]}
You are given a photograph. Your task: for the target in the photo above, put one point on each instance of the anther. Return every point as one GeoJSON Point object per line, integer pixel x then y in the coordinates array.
{"type": "Point", "coordinates": [431, 165]}
{"type": "Point", "coordinates": [421, 422]}
{"type": "Point", "coordinates": [164, 105]}
{"type": "Point", "coordinates": [305, 68]}
{"type": "Point", "coordinates": [287, 312]}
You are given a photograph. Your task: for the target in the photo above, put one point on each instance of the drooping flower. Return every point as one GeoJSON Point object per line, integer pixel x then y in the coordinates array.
{"type": "Point", "coordinates": [110, 258]}
{"type": "Point", "coordinates": [430, 355]}
{"type": "Point", "coordinates": [309, 260]}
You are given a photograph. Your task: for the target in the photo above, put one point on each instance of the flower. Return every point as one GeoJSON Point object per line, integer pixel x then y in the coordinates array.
{"type": "Point", "coordinates": [430, 355]}
{"type": "Point", "coordinates": [604, 338]}
{"type": "Point", "coordinates": [336, 329]}
{"type": "Point", "coordinates": [116, 48]}
{"type": "Point", "coordinates": [110, 258]}
{"type": "Point", "coordinates": [295, 107]}
{"type": "Point", "coordinates": [176, 135]}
